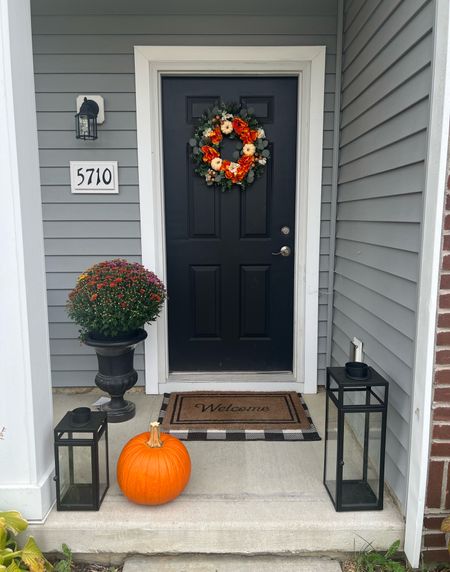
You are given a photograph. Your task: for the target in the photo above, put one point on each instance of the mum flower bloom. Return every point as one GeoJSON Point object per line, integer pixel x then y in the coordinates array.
{"type": "Point", "coordinates": [249, 149]}
{"type": "Point", "coordinates": [226, 127]}
{"type": "Point", "coordinates": [207, 133]}
{"type": "Point", "coordinates": [261, 134]}
{"type": "Point", "coordinates": [216, 163]}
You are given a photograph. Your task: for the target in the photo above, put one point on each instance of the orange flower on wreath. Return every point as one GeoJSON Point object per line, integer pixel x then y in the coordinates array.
{"type": "Point", "coordinates": [216, 137]}
{"type": "Point", "coordinates": [209, 153]}
{"type": "Point", "coordinates": [239, 125]}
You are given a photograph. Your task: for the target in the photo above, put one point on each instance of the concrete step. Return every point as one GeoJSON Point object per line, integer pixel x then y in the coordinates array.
{"type": "Point", "coordinates": [217, 563]}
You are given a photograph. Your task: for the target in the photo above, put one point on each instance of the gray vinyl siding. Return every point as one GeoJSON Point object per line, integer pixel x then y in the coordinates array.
{"type": "Point", "coordinates": [386, 79]}
{"type": "Point", "coordinates": [87, 47]}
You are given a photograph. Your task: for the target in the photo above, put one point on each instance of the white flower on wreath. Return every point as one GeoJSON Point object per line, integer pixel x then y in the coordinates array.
{"type": "Point", "coordinates": [227, 116]}
{"type": "Point", "coordinates": [226, 127]}
{"type": "Point", "coordinates": [210, 176]}
{"type": "Point", "coordinates": [262, 160]}
{"type": "Point", "coordinates": [216, 163]}
{"type": "Point", "coordinates": [233, 167]}
{"type": "Point", "coordinates": [261, 133]}
{"type": "Point", "coordinates": [248, 149]}
{"type": "Point", "coordinates": [207, 133]}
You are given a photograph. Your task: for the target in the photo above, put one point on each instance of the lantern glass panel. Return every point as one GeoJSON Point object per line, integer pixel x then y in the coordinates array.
{"type": "Point", "coordinates": [363, 396]}
{"type": "Point", "coordinates": [75, 475]}
{"type": "Point", "coordinates": [103, 465]}
{"type": "Point", "coordinates": [361, 456]}
{"type": "Point", "coordinates": [331, 448]}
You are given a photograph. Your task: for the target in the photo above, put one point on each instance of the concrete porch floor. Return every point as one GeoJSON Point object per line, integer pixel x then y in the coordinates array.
{"type": "Point", "coordinates": [251, 498]}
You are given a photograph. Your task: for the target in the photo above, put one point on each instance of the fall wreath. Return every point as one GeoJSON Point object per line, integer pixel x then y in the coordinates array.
{"type": "Point", "coordinates": [251, 154]}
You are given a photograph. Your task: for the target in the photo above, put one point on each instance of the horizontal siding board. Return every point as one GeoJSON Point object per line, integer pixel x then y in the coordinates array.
{"type": "Point", "coordinates": [393, 261]}
{"type": "Point", "coordinates": [61, 194]}
{"type": "Point", "coordinates": [397, 317]}
{"type": "Point", "coordinates": [380, 30]}
{"type": "Point", "coordinates": [109, 140]}
{"type": "Point", "coordinates": [83, 379]}
{"type": "Point", "coordinates": [390, 234]}
{"type": "Point", "coordinates": [168, 7]}
{"type": "Point", "coordinates": [63, 331]}
{"type": "Point", "coordinates": [91, 229]}
{"type": "Point", "coordinates": [351, 9]}
{"type": "Point", "coordinates": [124, 24]}
{"type": "Point", "coordinates": [84, 362]}
{"type": "Point", "coordinates": [124, 44]}
{"type": "Point", "coordinates": [87, 83]}
{"type": "Point", "coordinates": [353, 28]}
{"type": "Point", "coordinates": [62, 157]}
{"type": "Point", "coordinates": [402, 291]}
{"type": "Point", "coordinates": [412, 62]}
{"type": "Point", "coordinates": [406, 124]}
{"type": "Point", "coordinates": [379, 24]}
{"type": "Point", "coordinates": [392, 53]}
{"type": "Point", "coordinates": [410, 150]}
{"type": "Point", "coordinates": [399, 208]}
{"type": "Point", "coordinates": [78, 264]}
{"type": "Point", "coordinates": [110, 247]}
{"type": "Point", "coordinates": [405, 180]}
{"type": "Point", "coordinates": [91, 212]}
{"type": "Point", "coordinates": [413, 90]}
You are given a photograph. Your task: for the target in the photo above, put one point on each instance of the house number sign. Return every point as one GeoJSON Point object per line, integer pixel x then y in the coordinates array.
{"type": "Point", "coordinates": [94, 177]}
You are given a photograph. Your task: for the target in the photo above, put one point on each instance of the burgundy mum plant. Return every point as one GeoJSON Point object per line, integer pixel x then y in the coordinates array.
{"type": "Point", "coordinates": [115, 298]}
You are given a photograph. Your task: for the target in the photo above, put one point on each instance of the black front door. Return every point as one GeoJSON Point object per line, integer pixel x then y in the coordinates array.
{"type": "Point", "coordinates": [230, 304]}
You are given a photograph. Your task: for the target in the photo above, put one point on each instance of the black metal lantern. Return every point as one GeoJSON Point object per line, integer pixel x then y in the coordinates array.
{"type": "Point", "coordinates": [81, 460]}
{"type": "Point", "coordinates": [86, 120]}
{"type": "Point", "coordinates": [355, 437]}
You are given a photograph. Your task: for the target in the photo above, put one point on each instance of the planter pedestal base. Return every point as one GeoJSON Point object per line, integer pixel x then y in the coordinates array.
{"type": "Point", "coordinates": [124, 413]}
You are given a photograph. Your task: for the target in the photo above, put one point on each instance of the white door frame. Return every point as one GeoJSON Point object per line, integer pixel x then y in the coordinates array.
{"type": "Point", "coordinates": [306, 63]}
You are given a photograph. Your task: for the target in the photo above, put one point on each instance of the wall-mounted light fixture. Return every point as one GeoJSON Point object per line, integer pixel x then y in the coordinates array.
{"type": "Point", "coordinates": [90, 113]}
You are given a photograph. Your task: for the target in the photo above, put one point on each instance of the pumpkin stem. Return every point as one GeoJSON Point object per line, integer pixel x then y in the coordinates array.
{"type": "Point", "coordinates": [154, 441]}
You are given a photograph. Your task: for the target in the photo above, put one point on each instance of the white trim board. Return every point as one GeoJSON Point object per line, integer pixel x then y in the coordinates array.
{"type": "Point", "coordinates": [306, 63]}
{"type": "Point", "coordinates": [428, 284]}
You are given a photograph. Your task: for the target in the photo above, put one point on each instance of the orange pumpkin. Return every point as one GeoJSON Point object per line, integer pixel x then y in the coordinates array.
{"type": "Point", "coordinates": [153, 468]}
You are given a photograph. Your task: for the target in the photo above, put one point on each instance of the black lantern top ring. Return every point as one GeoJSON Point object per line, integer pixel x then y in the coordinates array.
{"type": "Point", "coordinates": [86, 120]}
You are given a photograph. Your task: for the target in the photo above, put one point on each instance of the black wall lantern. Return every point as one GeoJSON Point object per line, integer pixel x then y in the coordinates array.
{"type": "Point", "coordinates": [355, 438]}
{"type": "Point", "coordinates": [86, 120]}
{"type": "Point", "coordinates": [81, 460]}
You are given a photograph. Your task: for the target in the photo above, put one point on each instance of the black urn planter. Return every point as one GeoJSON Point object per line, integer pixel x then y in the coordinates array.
{"type": "Point", "coordinates": [116, 373]}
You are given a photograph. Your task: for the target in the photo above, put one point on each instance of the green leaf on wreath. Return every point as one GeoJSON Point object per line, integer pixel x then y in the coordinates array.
{"type": "Point", "coordinates": [192, 142]}
{"type": "Point", "coordinates": [265, 143]}
{"type": "Point", "coordinates": [266, 153]}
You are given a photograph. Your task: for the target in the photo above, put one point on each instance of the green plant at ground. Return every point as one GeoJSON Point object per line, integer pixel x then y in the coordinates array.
{"type": "Point", "coordinates": [66, 564]}
{"type": "Point", "coordinates": [13, 559]}
{"type": "Point", "coordinates": [369, 560]}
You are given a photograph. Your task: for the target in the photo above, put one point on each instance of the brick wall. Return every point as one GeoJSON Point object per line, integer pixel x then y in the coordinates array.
{"type": "Point", "coordinates": [438, 489]}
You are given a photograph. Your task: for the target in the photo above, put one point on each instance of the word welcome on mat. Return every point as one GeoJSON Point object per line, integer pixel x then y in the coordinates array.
{"type": "Point", "coordinates": [237, 416]}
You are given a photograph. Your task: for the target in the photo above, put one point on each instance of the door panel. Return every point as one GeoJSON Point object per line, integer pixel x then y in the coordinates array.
{"type": "Point", "coordinates": [230, 304]}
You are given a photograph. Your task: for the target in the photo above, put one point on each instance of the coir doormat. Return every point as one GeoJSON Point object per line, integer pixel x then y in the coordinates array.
{"type": "Point", "coordinates": [237, 416]}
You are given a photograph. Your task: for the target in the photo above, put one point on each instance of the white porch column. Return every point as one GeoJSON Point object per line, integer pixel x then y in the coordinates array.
{"type": "Point", "coordinates": [26, 458]}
